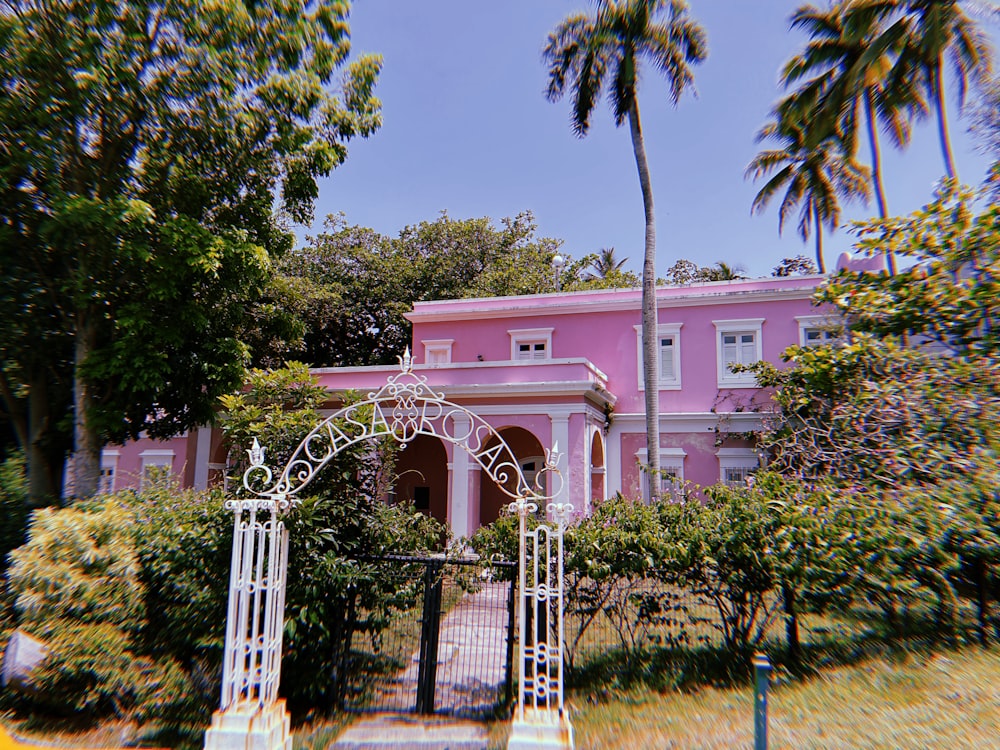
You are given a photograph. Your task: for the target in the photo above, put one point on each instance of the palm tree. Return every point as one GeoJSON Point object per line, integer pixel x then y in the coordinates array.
{"type": "Point", "coordinates": [722, 271]}
{"type": "Point", "coordinates": [605, 264]}
{"type": "Point", "coordinates": [932, 30]}
{"type": "Point", "coordinates": [856, 74]}
{"type": "Point", "coordinates": [588, 51]}
{"type": "Point", "coordinates": [814, 169]}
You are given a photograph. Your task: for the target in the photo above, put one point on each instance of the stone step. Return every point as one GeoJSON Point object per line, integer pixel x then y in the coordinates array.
{"type": "Point", "coordinates": [411, 733]}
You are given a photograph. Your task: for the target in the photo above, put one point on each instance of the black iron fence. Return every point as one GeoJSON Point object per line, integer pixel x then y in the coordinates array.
{"type": "Point", "coordinates": [445, 646]}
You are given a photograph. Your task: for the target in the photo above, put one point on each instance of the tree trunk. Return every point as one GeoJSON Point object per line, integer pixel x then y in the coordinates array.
{"type": "Point", "coordinates": [937, 81]}
{"type": "Point", "coordinates": [32, 421]}
{"type": "Point", "coordinates": [819, 240]}
{"type": "Point", "coordinates": [44, 460]}
{"type": "Point", "coordinates": [982, 600]}
{"type": "Point", "coordinates": [86, 441]}
{"type": "Point", "coordinates": [883, 207]}
{"type": "Point", "coordinates": [650, 368]}
{"type": "Point", "coordinates": [791, 624]}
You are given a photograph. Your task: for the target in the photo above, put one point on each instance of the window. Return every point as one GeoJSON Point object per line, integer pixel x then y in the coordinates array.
{"type": "Point", "coordinates": [109, 464]}
{"type": "Point", "coordinates": [738, 343]}
{"type": "Point", "coordinates": [438, 351]}
{"type": "Point", "coordinates": [668, 342]}
{"type": "Point", "coordinates": [816, 330]}
{"type": "Point", "coordinates": [530, 344]}
{"type": "Point", "coordinates": [156, 464]}
{"type": "Point", "coordinates": [671, 473]}
{"type": "Point", "coordinates": [531, 350]}
{"type": "Point", "coordinates": [736, 465]}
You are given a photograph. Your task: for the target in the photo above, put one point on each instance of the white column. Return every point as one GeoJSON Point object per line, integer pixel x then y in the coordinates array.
{"type": "Point", "coordinates": [203, 455]}
{"type": "Point", "coordinates": [459, 517]}
{"type": "Point", "coordinates": [612, 461]}
{"type": "Point", "coordinates": [560, 435]}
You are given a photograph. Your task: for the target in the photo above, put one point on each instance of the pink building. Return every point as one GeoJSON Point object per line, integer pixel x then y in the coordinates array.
{"type": "Point", "coordinates": [564, 368]}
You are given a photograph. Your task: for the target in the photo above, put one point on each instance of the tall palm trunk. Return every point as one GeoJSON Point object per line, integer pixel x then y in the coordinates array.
{"type": "Point", "coordinates": [819, 239]}
{"type": "Point", "coordinates": [650, 371]}
{"type": "Point", "coordinates": [937, 80]}
{"type": "Point", "coordinates": [86, 442]}
{"type": "Point", "coordinates": [883, 207]}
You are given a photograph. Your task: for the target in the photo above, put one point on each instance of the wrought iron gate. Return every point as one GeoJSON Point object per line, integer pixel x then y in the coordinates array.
{"type": "Point", "coordinates": [444, 646]}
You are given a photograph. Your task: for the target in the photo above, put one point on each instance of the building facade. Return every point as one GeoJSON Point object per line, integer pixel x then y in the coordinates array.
{"type": "Point", "coordinates": [563, 369]}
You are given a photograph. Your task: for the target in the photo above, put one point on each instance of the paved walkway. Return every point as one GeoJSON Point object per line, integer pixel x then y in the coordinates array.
{"type": "Point", "coordinates": [411, 733]}
{"type": "Point", "coordinates": [472, 656]}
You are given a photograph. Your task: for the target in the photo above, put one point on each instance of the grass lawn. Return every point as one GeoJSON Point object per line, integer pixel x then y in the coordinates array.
{"type": "Point", "coordinates": [948, 700]}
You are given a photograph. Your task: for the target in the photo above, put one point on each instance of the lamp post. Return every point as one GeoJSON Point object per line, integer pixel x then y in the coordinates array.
{"type": "Point", "coordinates": [558, 262]}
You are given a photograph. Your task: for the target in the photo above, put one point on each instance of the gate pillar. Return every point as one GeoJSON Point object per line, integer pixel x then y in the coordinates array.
{"type": "Point", "coordinates": [250, 716]}
{"type": "Point", "coordinates": [541, 719]}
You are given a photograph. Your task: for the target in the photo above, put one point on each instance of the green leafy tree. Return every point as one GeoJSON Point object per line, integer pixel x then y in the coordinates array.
{"type": "Point", "coordinates": [607, 48]}
{"type": "Point", "coordinates": [352, 287]}
{"type": "Point", "coordinates": [799, 265]}
{"type": "Point", "coordinates": [814, 170]}
{"type": "Point", "coordinates": [145, 147]}
{"type": "Point", "coordinates": [905, 434]}
{"type": "Point", "coordinates": [949, 297]}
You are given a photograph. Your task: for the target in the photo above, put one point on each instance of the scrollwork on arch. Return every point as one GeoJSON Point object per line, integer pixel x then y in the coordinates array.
{"type": "Point", "coordinates": [404, 407]}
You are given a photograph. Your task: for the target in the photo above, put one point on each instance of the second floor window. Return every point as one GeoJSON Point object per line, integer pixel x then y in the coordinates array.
{"type": "Point", "coordinates": [529, 344]}
{"type": "Point", "coordinates": [738, 343]}
{"type": "Point", "coordinates": [531, 350]}
{"type": "Point", "coordinates": [739, 348]}
{"type": "Point", "coordinates": [668, 344]}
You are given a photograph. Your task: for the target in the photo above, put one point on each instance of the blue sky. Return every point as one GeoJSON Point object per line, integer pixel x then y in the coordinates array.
{"type": "Point", "coordinates": [467, 130]}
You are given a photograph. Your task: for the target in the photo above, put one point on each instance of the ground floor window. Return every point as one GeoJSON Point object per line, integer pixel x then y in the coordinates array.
{"type": "Point", "coordinates": [737, 465]}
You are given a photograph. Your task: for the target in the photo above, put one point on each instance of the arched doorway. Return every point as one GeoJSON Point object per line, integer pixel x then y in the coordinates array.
{"type": "Point", "coordinates": [422, 476]}
{"type": "Point", "coordinates": [597, 491]}
{"type": "Point", "coordinates": [530, 458]}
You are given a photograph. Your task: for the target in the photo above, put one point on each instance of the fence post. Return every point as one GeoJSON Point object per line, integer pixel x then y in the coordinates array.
{"type": "Point", "coordinates": [762, 670]}
{"type": "Point", "coordinates": [427, 669]}
{"type": "Point", "coordinates": [511, 635]}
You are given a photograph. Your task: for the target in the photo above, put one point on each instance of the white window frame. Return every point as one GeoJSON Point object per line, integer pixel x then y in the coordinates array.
{"type": "Point", "coordinates": [109, 470]}
{"type": "Point", "coordinates": [662, 330]}
{"type": "Point", "coordinates": [530, 337]}
{"type": "Point", "coordinates": [671, 459]}
{"type": "Point", "coordinates": [153, 458]}
{"type": "Point", "coordinates": [737, 458]}
{"type": "Point", "coordinates": [755, 326]}
{"type": "Point", "coordinates": [437, 352]}
{"type": "Point", "coordinates": [824, 324]}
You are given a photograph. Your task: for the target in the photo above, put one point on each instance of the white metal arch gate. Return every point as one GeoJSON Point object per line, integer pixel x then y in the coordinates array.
{"type": "Point", "coordinates": [251, 717]}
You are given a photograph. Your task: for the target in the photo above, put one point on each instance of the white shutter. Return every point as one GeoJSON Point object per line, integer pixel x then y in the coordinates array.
{"type": "Point", "coordinates": [667, 359]}
{"type": "Point", "coordinates": [730, 353]}
{"type": "Point", "coordinates": [748, 348]}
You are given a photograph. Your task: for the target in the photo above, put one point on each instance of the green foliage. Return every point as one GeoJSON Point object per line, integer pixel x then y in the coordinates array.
{"type": "Point", "coordinates": [13, 506]}
{"type": "Point", "coordinates": [153, 155]}
{"type": "Point", "coordinates": [183, 540]}
{"type": "Point", "coordinates": [79, 564]}
{"type": "Point", "coordinates": [611, 556]}
{"type": "Point", "coordinates": [76, 586]}
{"type": "Point", "coordinates": [687, 272]}
{"type": "Point", "coordinates": [350, 289]}
{"type": "Point", "coordinates": [950, 296]}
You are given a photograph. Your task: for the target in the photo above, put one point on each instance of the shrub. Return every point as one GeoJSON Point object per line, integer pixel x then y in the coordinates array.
{"type": "Point", "coordinates": [13, 506]}
{"type": "Point", "coordinates": [76, 586]}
